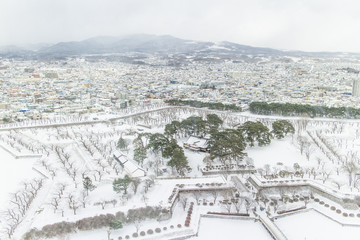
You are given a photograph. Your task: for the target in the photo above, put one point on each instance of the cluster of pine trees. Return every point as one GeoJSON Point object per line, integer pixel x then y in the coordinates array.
{"type": "Point", "coordinates": [224, 144]}
{"type": "Point", "coordinates": [289, 109]}
{"type": "Point", "coordinates": [229, 144]}
{"type": "Point", "coordinates": [209, 105]}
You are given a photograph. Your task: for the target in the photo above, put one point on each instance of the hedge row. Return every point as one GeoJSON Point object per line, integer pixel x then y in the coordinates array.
{"type": "Point", "coordinates": [290, 109]}
{"type": "Point", "coordinates": [96, 222]}
{"type": "Point", "coordinates": [198, 104]}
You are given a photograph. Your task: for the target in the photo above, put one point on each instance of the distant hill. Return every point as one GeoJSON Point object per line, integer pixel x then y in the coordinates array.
{"type": "Point", "coordinates": [152, 44]}
{"type": "Point", "coordinates": [12, 49]}
{"type": "Point", "coordinates": [135, 43]}
{"type": "Point", "coordinates": [148, 44]}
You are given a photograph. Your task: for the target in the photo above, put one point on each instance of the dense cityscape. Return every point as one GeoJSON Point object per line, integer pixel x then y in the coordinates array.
{"type": "Point", "coordinates": [80, 85]}
{"type": "Point", "coordinates": [179, 119]}
{"type": "Point", "coordinates": [99, 136]}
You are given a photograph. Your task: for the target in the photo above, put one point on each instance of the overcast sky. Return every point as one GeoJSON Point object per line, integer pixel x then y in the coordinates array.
{"type": "Point", "coordinates": [310, 25]}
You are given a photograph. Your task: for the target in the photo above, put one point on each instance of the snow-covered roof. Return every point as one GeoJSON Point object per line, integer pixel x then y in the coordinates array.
{"type": "Point", "coordinates": [118, 153]}
{"type": "Point", "coordinates": [130, 167]}
{"type": "Point", "coordinates": [197, 142]}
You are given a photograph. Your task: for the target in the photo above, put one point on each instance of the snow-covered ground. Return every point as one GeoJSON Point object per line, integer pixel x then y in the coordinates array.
{"type": "Point", "coordinates": [312, 225]}
{"type": "Point", "coordinates": [71, 152]}
{"type": "Point", "coordinates": [13, 172]}
{"type": "Point", "coordinates": [231, 229]}
{"type": "Point", "coordinates": [280, 151]}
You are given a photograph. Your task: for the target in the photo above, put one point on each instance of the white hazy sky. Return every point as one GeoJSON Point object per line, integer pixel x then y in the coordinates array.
{"type": "Point", "coordinates": [310, 25]}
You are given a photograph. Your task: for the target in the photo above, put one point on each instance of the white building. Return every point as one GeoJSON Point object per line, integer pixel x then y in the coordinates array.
{"type": "Point", "coordinates": [197, 144]}
{"type": "Point", "coordinates": [356, 88]}
{"type": "Point", "coordinates": [130, 167]}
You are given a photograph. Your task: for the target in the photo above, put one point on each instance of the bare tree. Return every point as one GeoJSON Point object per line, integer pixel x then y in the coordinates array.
{"type": "Point", "coordinates": [248, 204]}
{"type": "Point", "coordinates": [183, 200]}
{"type": "Point", "coordinates": [302, 124]}
{"type": "Point", "coordinates": [74, 206]}
{"type": "Point", "coordinates": [144, 199]}
{"type": "Point", "coordinates": [10, 229]}
{"type": "Point", "coordinates": [261, 172]}
{"type": "Point", "coordinates": [238, 203]}
{"type": "Point", "coordinates": [326, 175]}
{"type": "Point", "coordinates": [84, 174]}
{"type": "Point", "coordinates": [12, 216]}
{"type": "Point", "coordinates": [135, 182]}
{"type": "Point", "coordinates": [54, 203]}
{"type": "Point", "coordinates": [197, 195]}
{"type": "Point", "coordinates": [62, 187]}
{"type": "Point", "coordinates": [350, 167]}
{"type": "Point", "coordinates": [215, 194]}
{"type": "Point", "coordinates": [137, 224]}
{"type": "Point", "coordinates": [102, 204]}
{"type": "Point", "coordinates": [267, 169]}
{"type": "Point", "coordinates": [302, 143]}
{"type": "Point", "coordinates": [84, 197]}
{"type": "Point", "coordinates": [338, 184]}
{"type": "Point", "coordinates": [306, 200]}
{"type": "Point", "coordinates": [308, 151]}
{"type": "Point", "coordinates": [116, 168]}
{"type": "Point", "coordinates": [337, 170]}
{"type": "Point", "coordinates": [319, 161]}
{"type": "Point", "coordinates": [207, 160]}
{"type": "Point", "coordinates": [52, 173]}
{"type": "Point", "coordinates": [313, 172]}
{"type": "Point", "coordinates": [157, 164]}
{"type": "Point", "coordinates": [113, 202]}
{"type": "Point", "coordinates": [100, 173]}
{"type": "Point", "coordinates": [227, 195]}
{"type": "Point", "coordinates": [149, 182]}
{"type": "Point", "coordinates": [357, 184]}
{"type": "Point", "coordinates": [70, 199]}
{"type": "Point", "coordinates": [227, 205]}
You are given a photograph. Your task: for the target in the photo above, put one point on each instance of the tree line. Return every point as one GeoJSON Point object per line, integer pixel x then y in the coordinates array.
{"type": "Point", "coordinates": [290, 109]}
{"type": "Point", "coordinates": [199, 104]}
{"type": "Point", "coordinates": [113, 221]}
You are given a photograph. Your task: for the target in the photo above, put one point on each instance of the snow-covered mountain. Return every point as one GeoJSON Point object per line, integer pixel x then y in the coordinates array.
{"type": "Point", "coordinates": [148, 44]}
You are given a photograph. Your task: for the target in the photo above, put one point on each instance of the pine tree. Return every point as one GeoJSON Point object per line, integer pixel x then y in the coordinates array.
{"type": "Point", "coordinates": [122, 144]}
{"type": "Point", "coordinates": [139, 151]}
{"type": "Point", "coordinates": [139, 154]}
{"type": "Point", "coordinates": [116, 224]}
{"type": "Point", "coordinates": [227, 145]}
{"type": "Point", "coordinates": [88, 185]}
{"type": "Point", "coordinates": [157, 142]}
{"type": "Point", "coordinates": [281, 128]}
{"type": "Point", "coordinates": [168, 151]}
{"type": "Point", "coordinates": [121, 184]}
{"type": "Point", "coordinates": [255, 132]}
{"type": "Point", "coordinates": [179, 161]}
{"type": "Point", "coordinates": [213, 121]}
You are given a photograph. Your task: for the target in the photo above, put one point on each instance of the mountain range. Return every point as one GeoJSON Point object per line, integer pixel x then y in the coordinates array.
{"type": "Point", "coordinates": [142, 43]}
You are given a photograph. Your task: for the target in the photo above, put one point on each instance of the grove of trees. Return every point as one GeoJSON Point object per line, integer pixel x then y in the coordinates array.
{"type": "Point", "coordinates": [290, 109]}
{"type": "Point", "coordinates": [198, 104]}
{"type": "Point", "coordinates": [226, 145]}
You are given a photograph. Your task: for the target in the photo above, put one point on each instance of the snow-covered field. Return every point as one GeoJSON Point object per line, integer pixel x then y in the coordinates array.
{"type": "Point", "coordinates": [12, 173]}
{"type": "Point", "coordinates": [312, 225]}
{"type": "Point", "coordinates": [318, 150]}
{"type": "Point", "coordinates": [231, 229]}
{"type": "Point", "coordinates": [281, 151]}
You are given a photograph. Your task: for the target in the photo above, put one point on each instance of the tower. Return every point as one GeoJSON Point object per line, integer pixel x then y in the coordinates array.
{"type": "Point", "coordinates": [356, 88]}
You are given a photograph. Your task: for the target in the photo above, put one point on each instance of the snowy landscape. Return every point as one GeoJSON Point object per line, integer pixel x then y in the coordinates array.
{"type": "Point", "coordinates": [179, 119]}
{"type": "Point", "coordinates": [126, 178]}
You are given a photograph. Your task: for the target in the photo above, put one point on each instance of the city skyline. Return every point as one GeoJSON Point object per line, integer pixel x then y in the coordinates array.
{"type": "Point", "coordinates": [297, 25]}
